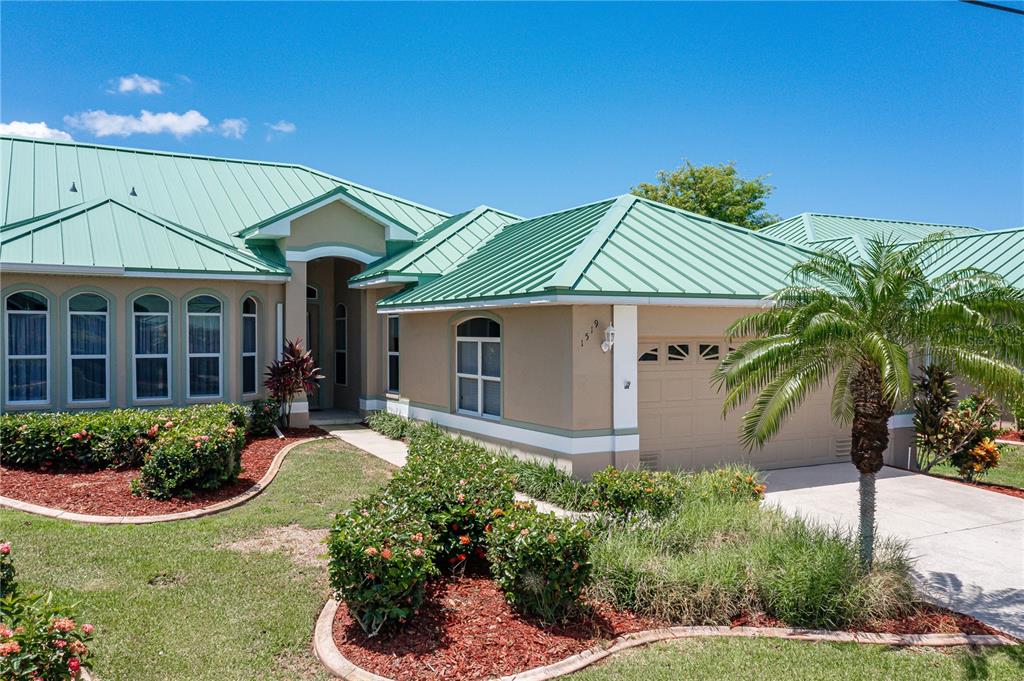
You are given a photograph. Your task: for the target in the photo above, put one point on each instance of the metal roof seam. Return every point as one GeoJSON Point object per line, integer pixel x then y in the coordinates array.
{"type": "Point", "coordinates": [577, 261]}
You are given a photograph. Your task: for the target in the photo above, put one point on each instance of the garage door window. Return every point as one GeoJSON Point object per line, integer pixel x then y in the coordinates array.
{"type": "Point", "coordinates": [478, 367]}
{"type": "Point", "coordinates": [677, 352]}
{"type": "Point", "coordinates": [709, 351]}
{"type": "Point", "coordinates": [650, 354]}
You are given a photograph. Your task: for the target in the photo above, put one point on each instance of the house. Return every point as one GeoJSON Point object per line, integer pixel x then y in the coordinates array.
{"type": "Point", "coordinates": [142, 278]}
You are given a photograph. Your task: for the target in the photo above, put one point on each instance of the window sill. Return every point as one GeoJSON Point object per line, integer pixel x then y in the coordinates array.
{"type": "Point", "coordinates": [478, 415]}
{"type": "Point", "coordinates": [393, 396]}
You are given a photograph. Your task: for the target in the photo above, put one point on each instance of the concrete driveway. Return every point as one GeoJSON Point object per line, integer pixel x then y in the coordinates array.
{"type": "Point", "coordinates": [968, 543]}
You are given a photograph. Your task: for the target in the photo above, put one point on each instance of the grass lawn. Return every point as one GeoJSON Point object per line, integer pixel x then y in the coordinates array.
{"type": "Point", "coordinates": [744, 659]}
{"type": "Point", "coordinates": [1010, 470]}
{"type": "Point", "coordinates": [172, 601]}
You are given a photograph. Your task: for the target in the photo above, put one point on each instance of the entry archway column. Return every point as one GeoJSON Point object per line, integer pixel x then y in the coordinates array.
{"type": "Point", "coordinates": [295, 327]}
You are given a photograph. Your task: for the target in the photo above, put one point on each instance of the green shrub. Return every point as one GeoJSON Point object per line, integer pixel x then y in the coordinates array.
{"type": "Point", "coordinates": [975, 462]}
{"type": "Point", "coordinates": [728, 483]}
{"type": "Point", "coordinates": [631, 493]}
{"type": "Point", "coordinates": [381, 555]}
{"type": "Point", "coordinates": [8, 575]}
{"type": "Point", "coordinates": [39, 639]}
{"type": "Point", "coordinates": [455, 484]}
{"type": "Point", "coordinates": [390, 425]}
{"type": "Point", "coordinates": [202, 451]}
{"type": "Point", "coordinates": [540, 561]}
{"type": "Point", "coordinates": [263, 416]}
{"type": "Point", "coordinates": [547, 482]}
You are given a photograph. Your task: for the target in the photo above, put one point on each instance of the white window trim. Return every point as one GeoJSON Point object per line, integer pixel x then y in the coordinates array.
{"type": "Point", "coordinates": [343, 350]}
{"type": "Point", "coordinates": [389, 352]}
{"type": "Point", "coordinates": [166, 356]}
{"type": "Point", "coordinates": [7, 348]}
{"type": "Point", "coordinates": [219, 355]}
{"type": "Point", "coordinates": [479, 377]}
{"type": "Point", "coordinates": [255, 351]}
{"type": "Point", "coordinates": [105, 357]}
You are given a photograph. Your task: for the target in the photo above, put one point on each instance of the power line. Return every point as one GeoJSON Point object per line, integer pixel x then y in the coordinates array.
{"type": "Point", "coordinates": [992, 5]}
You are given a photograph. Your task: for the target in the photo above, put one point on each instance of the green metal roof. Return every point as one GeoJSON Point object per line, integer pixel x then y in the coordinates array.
{"type": "Point", "coordinates": [217, 197]}
{"type": "Point", "coordinates": [809, 228]}
{"type": "Point", "coordinates": [441, 249]}
{"type": "Point", "coordinates": [625, 246]}
{"type": "Point", "coordinates": [112, 234]}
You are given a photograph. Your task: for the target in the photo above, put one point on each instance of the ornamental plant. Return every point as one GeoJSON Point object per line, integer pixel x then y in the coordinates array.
{"type": "Point", "coordinates": [977, 461]}
{"type": "Point", "coordinates": [193, 456]}
{"type": "Point", "coordinates": [381, 555]}
{"type": "Point", "coordinates": [292, 375]}
{"type": "Point", "coordinates": [455, 484]}
{"type": "Point", "coordinates": [8, 575]}
{"type": "Point", "coordinates": [40, 639]}
{"type": "Point", "coordinates": [729, 483]}
{"type": "Point", "coordinates": [540, 561]}
{"type": "Point", "coordinates": [263, 416]}
{"type": "Point", "coordinates": [631, 494]}
{"type": "Point", "coordinates": [390, 425]}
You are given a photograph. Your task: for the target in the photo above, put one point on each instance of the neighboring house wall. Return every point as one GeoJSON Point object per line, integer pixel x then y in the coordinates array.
{"type": "Point", "coordinates": [121, 292]}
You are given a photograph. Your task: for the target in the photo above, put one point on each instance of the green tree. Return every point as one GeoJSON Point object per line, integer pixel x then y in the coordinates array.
{"type": "Point", "coordinates": [716, 191]}
{"type": "Point", "coordinates": [851, 325]}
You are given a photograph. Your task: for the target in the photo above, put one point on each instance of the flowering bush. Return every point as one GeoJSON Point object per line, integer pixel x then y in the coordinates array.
{"type": "Point", "coordinates": [456, 484]}
{"type": "Point", "coordinates": [729, 483]}
{"type": "Point", "coordinates": [198, 453]}
{"type": "Point", "coordinates": [39, 640]}
{"type": "Point", "coordinates": [978, 460]}
{"type": "Point", "coordinates": [382, 554]}
{"type": "Point", "coordinates": [8, 575]}
{"type": "Point", "coordinates": [540, 561]}
{"type": "Point", "coordinates": [629, 493]}
{"type": "Point", "coordinates": [263, 416]}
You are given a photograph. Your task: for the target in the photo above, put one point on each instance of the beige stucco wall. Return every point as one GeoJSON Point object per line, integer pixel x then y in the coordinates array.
{"type": "Point", "coordinates": [336, 225]}
{"type": "Point", "coordinates": [120, 291]}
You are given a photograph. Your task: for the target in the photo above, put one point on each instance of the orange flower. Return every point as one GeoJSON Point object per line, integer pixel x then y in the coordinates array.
{"type": "Point", "coordinates": [464, 539]}
{"type": "Point", "coordinates": [371, 551]}
{"type": "Point", "coordinates": [385, 554]}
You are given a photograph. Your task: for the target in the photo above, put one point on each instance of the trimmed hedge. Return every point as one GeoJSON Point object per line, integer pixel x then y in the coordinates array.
{"type": "Point", "coordinates": [631, 493]}
{"type": "Point", "coordinates": [382, 555]}
{"type": "Point", "coordinates": [540, 561]}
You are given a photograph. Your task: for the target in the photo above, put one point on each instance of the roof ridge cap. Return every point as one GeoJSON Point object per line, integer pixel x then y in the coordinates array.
{"type": "Point", "coordinates": [896, 220]}
{"type": "Point", "coordinates": [573, 267]}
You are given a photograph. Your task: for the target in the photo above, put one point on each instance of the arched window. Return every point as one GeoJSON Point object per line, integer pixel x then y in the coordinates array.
{"type": "Point", "coordinates": [340, 344]}
{"type": "Point", "coordinates": [28, 348]}
{"type": "Point", "coordinates": [249, 340]}
{"type": "Point", "coordinates": [151, 347]}
{"type": "Point", "coordinates": [203, 347]}
{"type": "Point", "coordinates": [478, 367]}
{"type": "Point", "coordinates": [88, 356]}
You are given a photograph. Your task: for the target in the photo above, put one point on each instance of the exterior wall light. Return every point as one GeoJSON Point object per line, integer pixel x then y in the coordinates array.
{"type": "Point", "coordinates": [609, 339]}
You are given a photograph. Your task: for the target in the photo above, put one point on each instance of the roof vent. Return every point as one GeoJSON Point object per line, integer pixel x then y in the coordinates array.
{"type": "Point", "coordinates": [132, 192]}
{"type": "Point", "coordinates": [73, 188]}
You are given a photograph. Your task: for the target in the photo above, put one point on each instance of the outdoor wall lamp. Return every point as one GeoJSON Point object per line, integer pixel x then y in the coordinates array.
{"type": "Point", "coordinates": [609, 338]}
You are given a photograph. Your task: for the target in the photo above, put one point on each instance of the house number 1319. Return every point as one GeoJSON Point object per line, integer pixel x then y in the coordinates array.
{"type": "Point", "coordinates": [589, 333]}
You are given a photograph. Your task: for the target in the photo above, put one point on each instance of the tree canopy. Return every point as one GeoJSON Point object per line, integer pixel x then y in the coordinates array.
{"type": "Point", "coordinates": [716, 191]}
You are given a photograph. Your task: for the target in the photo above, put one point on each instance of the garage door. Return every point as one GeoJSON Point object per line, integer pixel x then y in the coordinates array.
{"type": "Point", "coordinates": [680, 415]}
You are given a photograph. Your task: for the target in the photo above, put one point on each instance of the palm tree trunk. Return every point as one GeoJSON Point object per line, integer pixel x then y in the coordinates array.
{"type": "Point", "coordinates": [870, 439]}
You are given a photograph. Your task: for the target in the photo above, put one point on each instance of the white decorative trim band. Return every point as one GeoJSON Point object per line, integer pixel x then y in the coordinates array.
{"type": "Point", "coordinates": [331, 252]}
{"type": "Point", "coordinates": [581, 299]}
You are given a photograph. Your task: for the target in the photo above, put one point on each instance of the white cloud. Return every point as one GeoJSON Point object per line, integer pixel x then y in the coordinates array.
{"type": "Point", "coordinates": [38, 130]}
{"type": "Point", "coordinates": [103, 124]}
{"type": "Point", "coordinates": [141, 84]}
{"type": "Point", "coordinates": [233, 127]}
{"type": "Point", "coordinates": [282, 126]}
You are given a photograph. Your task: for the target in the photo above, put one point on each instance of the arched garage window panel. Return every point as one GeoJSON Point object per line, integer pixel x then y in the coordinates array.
{"type": "Point", "coordinates": [340, 344]}
{"type": "Point", "coordinates": [478, 367]}
{"type": "Point", "coordinates": [204, 347]}
{"type": "Point", "coordinates": [28, 355]}
{"type": "Point", "coordinates": [151, 348]}
{"type": "Point", "coordinates": [87, 348]}
{"type": "Point", "coordinates": [250, 369]}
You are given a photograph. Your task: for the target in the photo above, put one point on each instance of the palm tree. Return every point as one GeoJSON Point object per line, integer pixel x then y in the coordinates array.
{"type": "Point", "coordinates": [852, 325]}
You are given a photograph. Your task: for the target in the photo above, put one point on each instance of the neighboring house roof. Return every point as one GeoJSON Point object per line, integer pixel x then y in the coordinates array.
{"type": "Point", "coordinates": [110, 235]}
{"type": "Point", "coordinates": [808, 228]}
{"type": "Point", "coordinates": [440, 249]}
{"type": "Point", "coordinates": [625, 246]}
{"type": "Point", "coordinates": [216, 197]}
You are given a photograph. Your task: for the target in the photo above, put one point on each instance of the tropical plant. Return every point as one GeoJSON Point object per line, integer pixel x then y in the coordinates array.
{"type": "Point", "coordinates": [960, 429]}
{"type": "Point", "coordinates": [294, 374]}
{"type": "Point", "coordinates": [853, 324]}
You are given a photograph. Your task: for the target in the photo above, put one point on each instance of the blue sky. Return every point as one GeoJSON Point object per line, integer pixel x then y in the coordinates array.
{"type": "Point", "coordinates": [897, 110]}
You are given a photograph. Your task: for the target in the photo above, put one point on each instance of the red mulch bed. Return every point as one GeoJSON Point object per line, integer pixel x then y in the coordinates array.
{"type": "Point", "coordinates": [1012, 436]}
{"type": "Point", "coordinates": [107, 492]}
{"type": "Point", "coordinates": [466, 630]}
{"type": "Point", "coordinates": [990, 486]}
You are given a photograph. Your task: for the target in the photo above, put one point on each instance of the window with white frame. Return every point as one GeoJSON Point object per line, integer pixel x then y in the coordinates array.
{"type": "Point", "coordinates": [340, 344]}
{"type": "Point", "coordinates": [28, 349]}
{"type": "Point", "coordinates": [151, 347]}
{"type": "Point", "coordinates": [203, 346]}
{"type": "Point", "coordinates": [88, 339]}
{"type": "Point", "coordinates": [478, 367]}
{"type": "Point", "coordinates": [249, 331]}
{"type": "Point", "coordinates": [392, 353]}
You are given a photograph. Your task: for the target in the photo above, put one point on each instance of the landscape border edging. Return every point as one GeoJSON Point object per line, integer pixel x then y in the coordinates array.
{"type": "Point", "coordinates": [341, 667]}
{"type": "Point", "coordinates": [220, 506]}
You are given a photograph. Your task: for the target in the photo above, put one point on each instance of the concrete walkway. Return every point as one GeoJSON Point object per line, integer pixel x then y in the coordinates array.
{"type": "Point", "coordinates": [968, 543]}
{"type": "Point", "coordinates": [396, 451]}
